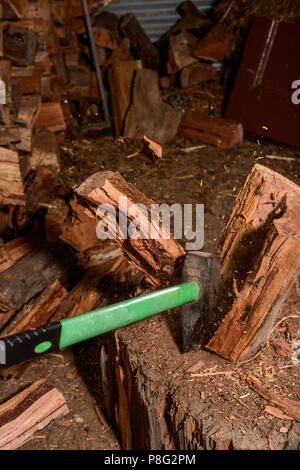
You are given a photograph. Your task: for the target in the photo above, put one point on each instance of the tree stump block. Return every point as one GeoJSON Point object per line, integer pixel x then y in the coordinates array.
{"type": "Point", "coordinates": [152, 401]}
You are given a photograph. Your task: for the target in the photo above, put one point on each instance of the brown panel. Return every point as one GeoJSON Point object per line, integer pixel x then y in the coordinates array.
{"type": "Point", "coordinates": [262, 93]}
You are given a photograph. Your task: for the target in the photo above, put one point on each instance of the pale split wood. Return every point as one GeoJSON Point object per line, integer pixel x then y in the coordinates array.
{"type": "Point", "coordinates": [260, 254]}
{"type": "Point", "coordinates": [159, 257]}
{"type": "Point", "coordinates": [29, 411]}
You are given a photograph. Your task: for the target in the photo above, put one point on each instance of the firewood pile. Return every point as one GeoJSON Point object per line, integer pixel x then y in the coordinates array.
{"type": "Point", "coordinates": [49, 84]}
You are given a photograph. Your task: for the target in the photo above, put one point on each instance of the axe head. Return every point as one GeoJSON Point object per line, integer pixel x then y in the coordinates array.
{"type": "Point", "coordinates": [198, 317]}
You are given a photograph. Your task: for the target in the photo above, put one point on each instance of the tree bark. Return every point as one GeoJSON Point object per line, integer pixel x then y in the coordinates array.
{"type": "Point", "coordinates": [260, 257]}
{"type": "Point", "coordinates": [33, 273]}
{"type": "Point", "coordinates": [142, 46]}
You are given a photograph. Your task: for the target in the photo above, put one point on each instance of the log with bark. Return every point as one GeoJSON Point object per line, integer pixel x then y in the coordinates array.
{"type": "Point", "coordinates": [148, 114]}
{"type": "Point", "coordinates": [197, 73]}
{"type": "Point", "coordinates": [42, 186]}
{"type": "Point", "coordinates": [158, 257]}
{"type": "Point", "coordinates": [34, 272]}
{"type": "Point", "coordinates": [217, 45]}
{"type": "Point", "coordinates": [29, 411]}
{"type": "Point", "coordinates": [69, 223]}
{"type": "Point", "coordinates": [154, 403]}
{"type": "Point", "coordinates": [180, 46]}
{"type": "Point", "coordinates": [223, 133]}
{"type": "Point", "coordinates": [260, 257]}
{"type": "Point", "coordinates": [88, 292]}
{"type": "Point", "coordinates": [141, 44]}
{"type": "Point", "coordinates": [191, 20]}
{"type": "Point", "coordinates": [35, 313]}
{"type": "Point", "coordinates": [19, 45]}
{"type": "Point", "coordinates": [120, 78]}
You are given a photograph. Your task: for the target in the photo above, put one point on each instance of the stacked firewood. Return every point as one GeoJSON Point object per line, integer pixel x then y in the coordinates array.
{"type": "Point", "coordinates": [47, 77]}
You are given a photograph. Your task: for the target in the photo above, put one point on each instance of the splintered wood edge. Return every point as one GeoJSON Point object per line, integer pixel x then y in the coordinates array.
{"type": "Point", "coordinates": [269, 172]}
{"type": "Point", "coordinates": [29, 411]}
{"type": "Point", "coordinates": [97, 180]}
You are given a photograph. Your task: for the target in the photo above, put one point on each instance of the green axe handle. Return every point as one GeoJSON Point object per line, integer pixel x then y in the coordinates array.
{"type": "Point", "coordinates": [54, 336]}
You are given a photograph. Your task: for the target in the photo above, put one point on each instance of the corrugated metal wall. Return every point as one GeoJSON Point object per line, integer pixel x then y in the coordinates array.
{"type": "Point", "coordinates": [155, 16]}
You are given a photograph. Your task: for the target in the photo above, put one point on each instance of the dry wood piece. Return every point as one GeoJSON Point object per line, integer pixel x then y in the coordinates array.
{"type": "Point", "coordinates": [192, 20]}
{"type": "Point", "coordinates": [6, 12]}
{"type": "Point", "coordinates": [197, 73]}
{"type": "Point", "coordinates": [141, 44]}
{"type": "Point", "coordinates": [45, 150]}
{"type": "Point", "coordinates": [29, 110]}
{"type": "Point", "coordinates": [35, 313]}
{"type": "Point", "coordinates": [110, 21]}
{"type": "Point", "coordinates": [149, 114]}
{"type": "Point", "coordinates": [60, 67]}
{"type": "Point", "coordinates": [290, 407]}
{"type": "Point", "coordinates": [5, 75]}
{"type": "Point", "coordinates": [104, 38]}
{"type": "Point", "coordinates": [29, 411]}
{"type": "Point", "coordinates": [11, 185]}
{"type": "Point", "coordinates": [19, 45]}
{"type": "Point", "coordinates": [180, 56]}
{"type": "Point", "coordinates": [82, 85]}
{"type": "Point", "coordinates": [75, 9]}
{"type": "Point", "coordinates": [223, 133]}
{"type": "Point", "coordinates": [87, 293]}
{"type": "Point", "coordinates": [260, 257]}
{"type": "Point", "coordinates": [59, 10]}
{"type": "Point", "coordinates": [121, 52]}
{"type": "Point", "coordinates": [42, 186]}
{"type": "Point", "coordinates": [51, 118]}
{"type": "Point", "coordinates": [33, 273]}
{"type": "Point", "coordinates": [70, 224]}
{"type": "Point", "coordinates": [9, 135]}
{"type": "Point", "coordinates": [152, 150]}
{"type": "Point", "coordinates": [14, 250]}
{"type": "Point", "coordinates": [157, 258]}
{"type": "Point", "coordinates": [42, 62]}
{"type": "Point", "coordinates": [37, 16]}
{"type": "Point", "coordinates": [38, 311]}
{"type": "Point", "coordinates": [18, 6]}
{"type": "Point", "coordinates": [29, 77]}
{"type": "Point", "coordinates": [120, 78]}
{"type": "Point", "coordinates": [52, 88]}
{"type": "Point", "coordinates": [216, 45]}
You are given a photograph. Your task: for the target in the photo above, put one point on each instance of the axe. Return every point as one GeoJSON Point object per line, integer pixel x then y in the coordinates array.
{"type": "Point", "coordinates": [195, 295]}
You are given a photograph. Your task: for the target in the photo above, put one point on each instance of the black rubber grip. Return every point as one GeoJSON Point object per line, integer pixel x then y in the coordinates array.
{"type": "Point", "coordinates": [29, 344]}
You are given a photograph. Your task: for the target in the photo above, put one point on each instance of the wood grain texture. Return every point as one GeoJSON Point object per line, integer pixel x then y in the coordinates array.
{"type": "Point", "coordinates": [11, 185]}
{"type": "Point", "coordinates": [148, 114]}
{"type": "Point", "coordinates": [158, 257]}
{"type": "Point", "coordinates": [120, 78]}
{"type": "Point", "coordinates": [29, 411]}
{"type": "Point", "coordinates": [15, 249]}
{"type": "Point", "coordinates": [220, 132]}
{"type": "Point", "coordinates": [260, 257]}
